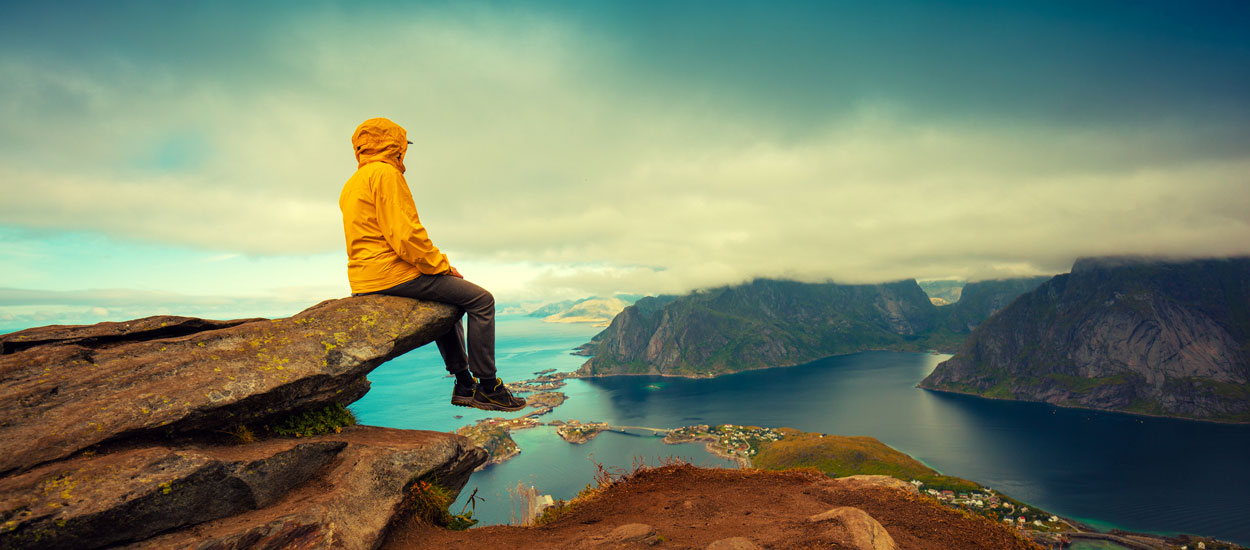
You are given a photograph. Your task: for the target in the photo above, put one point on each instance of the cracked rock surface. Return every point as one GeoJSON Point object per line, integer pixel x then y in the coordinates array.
{"type": "Point", "coordinates": [113, 435]}
{"type": "Point", "coordinates": [82, 386]}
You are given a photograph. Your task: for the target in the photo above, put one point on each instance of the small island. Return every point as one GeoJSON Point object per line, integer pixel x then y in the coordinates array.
{"type": "Point", "coordinates": [543, 382]}
{"type": "Point", "coordinates": [737, 443]}
{"type": "Point", "coordinates": [576, 432]}
{"type": "Point", "coordinates": [543, 403]}
{"type": "Point", "coordinates": [494, 434]}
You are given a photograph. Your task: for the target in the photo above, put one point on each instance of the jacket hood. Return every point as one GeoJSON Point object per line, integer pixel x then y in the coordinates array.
{"type": "Point", "coordinates": [380, 140]}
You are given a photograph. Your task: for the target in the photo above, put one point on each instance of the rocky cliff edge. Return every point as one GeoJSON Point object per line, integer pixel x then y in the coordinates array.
{"type": "Point", "coordinates": [116, 434]}
{"type": "Point", "coordinates": [1141, 335]}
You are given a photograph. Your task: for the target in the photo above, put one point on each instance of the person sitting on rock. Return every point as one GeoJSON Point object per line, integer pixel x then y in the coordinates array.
{"type": "Point", "coordinates": [389, 252]}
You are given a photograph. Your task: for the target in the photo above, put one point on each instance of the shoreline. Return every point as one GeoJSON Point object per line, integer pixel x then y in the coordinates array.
{"type": "Point", "coordinates": [1081, 408]}
{"type": "Point", "coordinates": [743, 462]}
{"type": "Point", "coordinates": [712, 444]}
{"type": "Point", "coordinates": [713, 447]}
{"type": "Point", "coordinates": [577, 374]}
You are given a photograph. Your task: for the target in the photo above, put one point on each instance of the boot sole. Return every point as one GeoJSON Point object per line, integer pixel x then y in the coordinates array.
{"type": "Point", "coordinates": [493, 407]}
{"type": "Point", "coordinates": [463, 402]}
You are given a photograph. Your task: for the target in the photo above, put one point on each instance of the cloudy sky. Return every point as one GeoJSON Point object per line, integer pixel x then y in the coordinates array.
{"type": "Point", "coordinates": [187, 157]}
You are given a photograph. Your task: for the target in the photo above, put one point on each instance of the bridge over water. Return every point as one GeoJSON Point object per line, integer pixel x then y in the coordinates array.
{"type": "Point", "coordinates": [638, 431]}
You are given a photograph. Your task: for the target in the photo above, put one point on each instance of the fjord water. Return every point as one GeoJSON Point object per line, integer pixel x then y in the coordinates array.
{"type": "Point", "coordinates": [1107, 469]}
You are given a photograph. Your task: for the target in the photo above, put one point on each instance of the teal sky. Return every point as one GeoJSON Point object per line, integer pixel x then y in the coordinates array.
{"type": "Point", "coordinates": [186, 157]}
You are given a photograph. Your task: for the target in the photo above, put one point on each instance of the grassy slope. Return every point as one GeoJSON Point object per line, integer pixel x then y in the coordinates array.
{"type": "Point", "coordinates": [840, 456]}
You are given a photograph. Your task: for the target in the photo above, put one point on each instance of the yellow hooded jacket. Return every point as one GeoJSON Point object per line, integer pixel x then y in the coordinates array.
{"type": "Point", "coordinates": [386, 243]}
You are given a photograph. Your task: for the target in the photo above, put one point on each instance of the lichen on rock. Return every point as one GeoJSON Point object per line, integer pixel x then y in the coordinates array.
{"type": "Point", "coordinates": [67, 394]}
{"type": "Point", "coordinates": [136, 433]}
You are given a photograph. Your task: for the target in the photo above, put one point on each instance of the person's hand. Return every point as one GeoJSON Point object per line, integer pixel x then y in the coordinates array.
{"type": "Point", "coordinates": [455, 273]}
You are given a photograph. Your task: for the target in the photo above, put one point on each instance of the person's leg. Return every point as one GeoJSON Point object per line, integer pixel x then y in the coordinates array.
{"type": "Point", "coordinates": [478, 305]}
{"type": "Point", "coordinates": [490, 393]}
{"type": "Point", "coordinates": [451, 347]}
{"type": "Point", "coordinates": [451, 344]}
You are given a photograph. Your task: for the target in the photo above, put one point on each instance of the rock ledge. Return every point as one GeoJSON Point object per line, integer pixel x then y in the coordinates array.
{"type": "Point", "coordinates": [113, 434]}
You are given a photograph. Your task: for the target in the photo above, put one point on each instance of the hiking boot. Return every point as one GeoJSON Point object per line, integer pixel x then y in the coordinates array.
{"type": "Point", "coordinates": [497, 398]}
{"type": "Point", "coordinates": [462, 396]}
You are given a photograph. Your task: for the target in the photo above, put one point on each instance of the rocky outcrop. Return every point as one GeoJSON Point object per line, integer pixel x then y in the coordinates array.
{"type": "Point", "coordinates": [768, 323]}
{"type": "Point", "coordinates": [134, 494]}
{"type": "Point", "coordinates": [858, 482]}
{"type": "Point", "coordinates": [351, 504]}
{"type": "Point", "coordinates": [853, 528]}
{"type": "Point", "coordinates": [630, 534]}
{"type": "Point", "coordinates": [111, 333]}
{"type": "Point", "coordinates": [1128, 334]}
{"type": "Point", "coordinates": [733, 543]}
{"type": "Point", "coordinates": [114, 434]}
{"type": "Point", "coordinates": [69, 391]}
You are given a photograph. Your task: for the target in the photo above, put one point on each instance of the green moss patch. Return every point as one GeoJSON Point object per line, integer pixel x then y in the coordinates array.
{"type": "Point", "coordinates": [426, 502]}
{"type": "Point", "coordinates": [329, 419]}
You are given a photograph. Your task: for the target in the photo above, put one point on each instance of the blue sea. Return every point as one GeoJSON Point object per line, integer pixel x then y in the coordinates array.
{"type": "Point", "coordinates": [1106, 469]}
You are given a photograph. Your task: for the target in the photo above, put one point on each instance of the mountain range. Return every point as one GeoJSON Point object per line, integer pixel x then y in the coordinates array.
{"type": "Point", "coordinates": [595, 310]}
{"type": "Point", "coordinates": [770, 323]}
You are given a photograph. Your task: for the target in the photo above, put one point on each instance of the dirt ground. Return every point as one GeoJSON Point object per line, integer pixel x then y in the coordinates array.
{"type": "Point", "coordinates": [690, 507]}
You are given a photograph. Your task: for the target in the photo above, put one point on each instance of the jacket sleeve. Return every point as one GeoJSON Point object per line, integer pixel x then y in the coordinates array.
{"type": "Point", "coordinates": [397, 216]}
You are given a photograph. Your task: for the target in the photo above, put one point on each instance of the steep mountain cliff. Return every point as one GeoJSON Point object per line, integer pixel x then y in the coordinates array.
{"type": "Point", "coordinates": [979, 300]}
{"type": "Point", "coordinates": [770, 323]}
{"type": "Point", "coordinates": [761, 324]}
{"type": "Point", "coordinates": [1130, 334]}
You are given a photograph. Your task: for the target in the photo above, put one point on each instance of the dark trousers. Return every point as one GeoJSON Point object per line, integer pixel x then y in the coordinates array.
{"type": "Point", "coordinates": [477, 302]}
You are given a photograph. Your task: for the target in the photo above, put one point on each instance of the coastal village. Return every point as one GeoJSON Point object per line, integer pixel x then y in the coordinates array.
{"type": "Point", "coordinates": [991, 505]}
{"type": "Point", "coordinates": [741, 443]}
{"type": "Point", "coordinates": [738, 443]}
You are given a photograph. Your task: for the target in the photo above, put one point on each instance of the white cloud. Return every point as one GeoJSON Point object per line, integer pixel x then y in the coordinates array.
{"type": "Point", "coordinates": [23, 308]}
{"type": "Point", "coordinates": [534, 167]}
